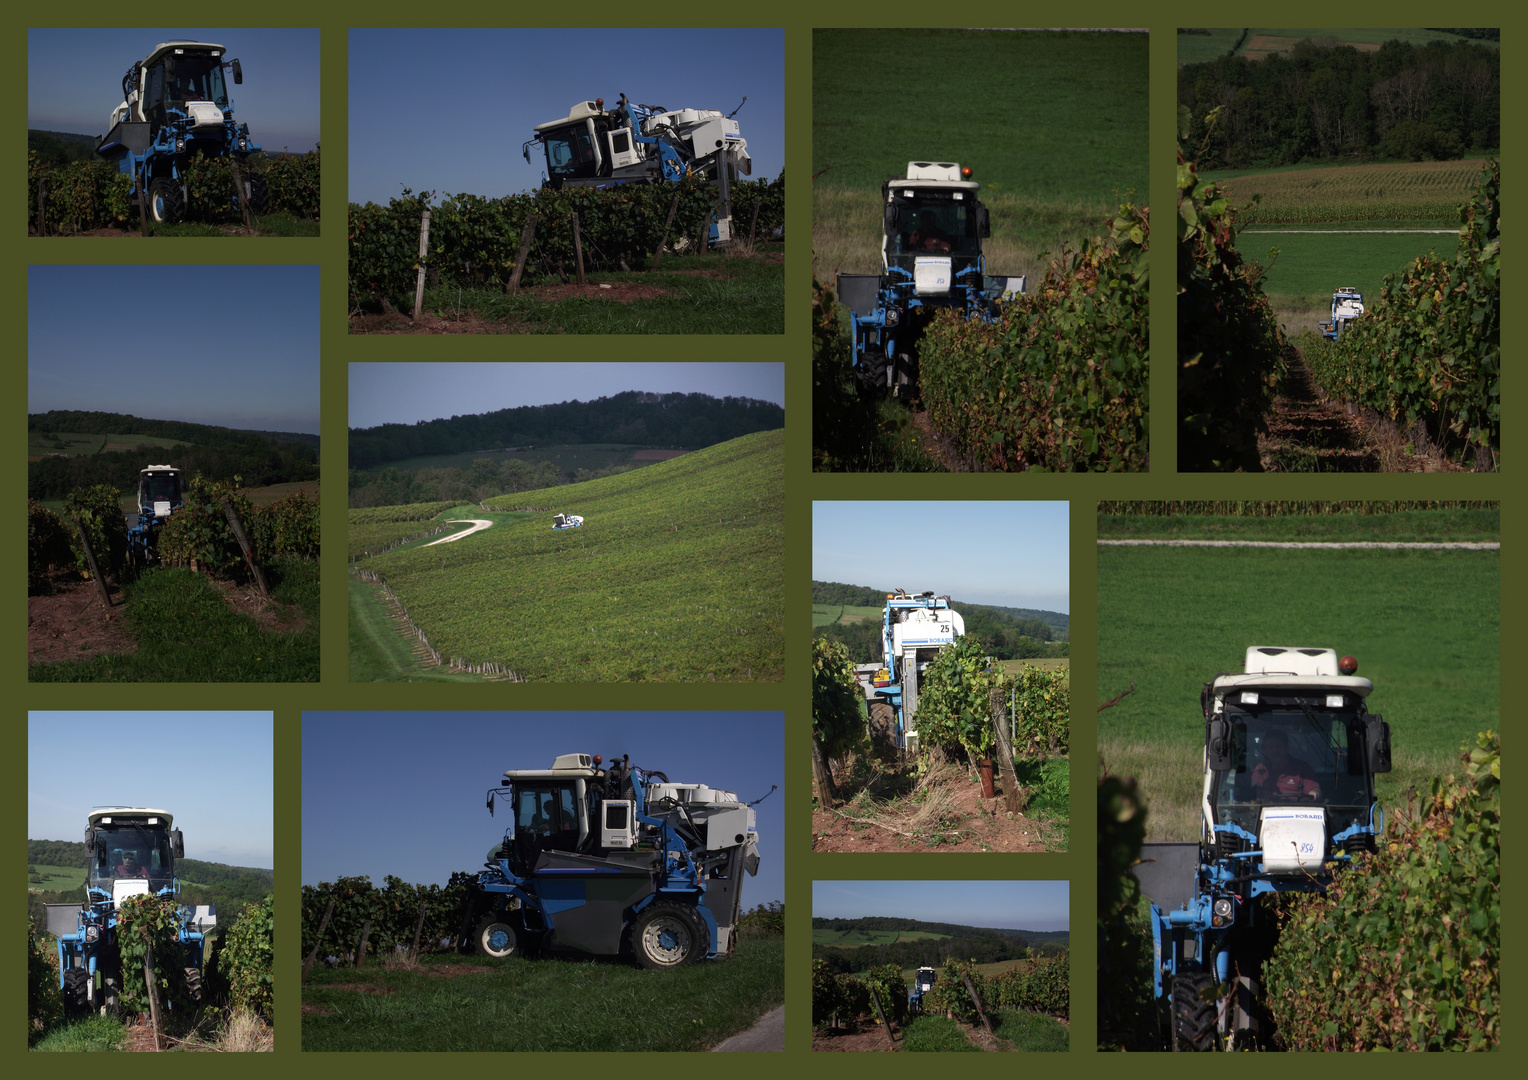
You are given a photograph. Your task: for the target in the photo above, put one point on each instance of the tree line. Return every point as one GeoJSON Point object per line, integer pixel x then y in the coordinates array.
{"type": "Point", "coordinates": [258, 460]}
{"type": "Point", "coordinates": [391, 486]}
{"type": "Point", "coordinates": [690, 421]}
{"type": "Point", "coordinates": [1002, 634]}
{"type": "Point", "coordinates": [1323, 101]}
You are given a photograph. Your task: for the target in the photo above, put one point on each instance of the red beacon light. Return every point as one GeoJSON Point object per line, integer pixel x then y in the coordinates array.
{"type": "Point", "coordinates": [965, 172]}
{"type": "Point", "coordinates": [598, 759]}
{"type": "Point", "coordinates": [1347, 665]}
{"type": "Point", "coordinates": [599, 103]}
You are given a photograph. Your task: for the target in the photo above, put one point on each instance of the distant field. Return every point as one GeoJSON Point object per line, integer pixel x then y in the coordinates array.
{"type": "Point", "coordinates": [590, 456]}
{"type": "Point", "coordinates": [76, 444]}
{"type": "Point", "coordinates": [57, 877]}
{"type": "Point", "coordinates": [1427, 193]}
{"type": "Point", "coordinates": [828, 614]}
{"type": "Point", "coordinates": [1044, 663]}
{"type": "Point", "coordinates": [986, 969]}
{"type": "Point", "coordinates": [853, 939]}
{"type": "Point", "coordinates": [1262, 41]}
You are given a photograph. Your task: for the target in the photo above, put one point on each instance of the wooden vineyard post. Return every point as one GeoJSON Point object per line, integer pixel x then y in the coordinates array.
{"type": "Point", "coordinates": [526, 236]}
{"type": "Point", "coordinates": [673, 209]}
{"type": "Point", "coordinates": [578, 250]}
{"type": "Point", "coordinates": [971, 989]}
{"type": "Point", "coordinates": [875, 999]}
{"type": "Point", "coordinates": [323, 924]}
{"type": "Point", "coordinates": [153, 991]}
{"type": "Point", "coordinates": [822, 775]}
{"type": "Point", "coordinates": [240, 193]}
{"type": "Point", "coordinates": [424, 250]}
{"type": "Point", "coordinates": [360, 949]}
{"type": "Point", "coordinates": [90, 559]}
{"type": "Point", "coordinates": [1011, 797]}
{"type": "Point", "coordinates": [245, 545]}
{"type": "Point", "coordinates": [419, 929]}
{"type": "Point", "coordinates": [753, 224]}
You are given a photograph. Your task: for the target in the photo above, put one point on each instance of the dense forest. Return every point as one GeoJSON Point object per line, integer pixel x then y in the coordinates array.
{"type": "Point", "coordinates": [259, 458]}
{"type": "Point", "coordinates": [228, 888]}
{"type": "Point", "coordinates": [984, 945]}
{"type": "Point", "coordinates": [59, 148]}
{"type": "Point", "coordinates": [683, 421]}
{"type": "Point", "coordinates": [1327, 102]}
{"type": "Point", "coordinates": [1006, 633]}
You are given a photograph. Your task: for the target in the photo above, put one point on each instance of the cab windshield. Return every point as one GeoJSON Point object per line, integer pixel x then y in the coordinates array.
{"type": "Point", "coordinates": [132, 851]}
{"type": "Point", "coordinates": [547, 811]}
{"type": "Point", "coordinates": [1300, 755]}
{"type": "Point", "coordinates": [159, 487]}
{"type": "Point", "coordinates": [930, 224]}
{"type": "Point", "coordinates": [569, 152]}
{"type": "Point", "coordinates": [194, 77]}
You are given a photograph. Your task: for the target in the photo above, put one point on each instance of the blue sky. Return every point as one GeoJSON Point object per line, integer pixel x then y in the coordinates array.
{"type": "Point", "coordinates": [402, 793]}
{"type": "Point", "coordinates": [468, 99]}
{"type": "Point", "coordinates": [74, 78]}
{"type": "Point", "coordinates": [218, 790]}
{"type": "Point", "coordinates": [1012, 554]}
{"type": "Point", "coordinates": [238, 346]}
{"type": "Point", "coordinates": [1004, 905]}
{"type": "Point", "coordinates": [402, 393]}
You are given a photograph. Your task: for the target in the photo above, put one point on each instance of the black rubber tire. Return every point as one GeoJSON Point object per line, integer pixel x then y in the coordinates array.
{"type": "Point", "coordinates": [167, 204]}
{"type": "Point", "coordinates": [259, 194]}
{"type": "Point", "coordinates": [872, 370]}
{"type": "Point", "coordinates": [667, 936]}
{"type": "Point", "coordinates": [76, 991]}
{"type": "Point", "coordinates": [1193, 1011]}
{"type": "Point", "coordinates": [496, 938]}
{"type": "Point", "coordinates": [194, 986]}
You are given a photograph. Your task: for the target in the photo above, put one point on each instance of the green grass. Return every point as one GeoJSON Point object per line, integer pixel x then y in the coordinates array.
{"type": "Point", "coordinates": [269, 225]}
{"type": "Point", "coordinates": [935, 1034]}
{"type": "Point", "coordinates": [677, 575]}
{"type": "Point", "coordinates": [542, 1004]}
{"type": "Point", "coordinates": [568, 458]}
{"type": "Point", "coordinates": [94, 1033]}
{"type": "Point", "coordinates": [831, 614]}
{"type": "Point", "coordinates": [58, 877]}
{"type": "Point", "coordinates": [1200, 48]}
{"type": "Point", "coordinates": [1424, 626]}
{"type": "Point", "coordinates": [1405, 526]}
{"type": "Point", "coordinates": [1031, 1032]}
{"type": "Point", "coordinates": [186, 632]}
{"type": "Point", "coordinates": [853, 939]}
{"type": "Point", "coordinates": [378, 652]}
{"type": "Point", "coordinates": [707, 294]}
{"type": "Point", "coordinates": [1050, 800]}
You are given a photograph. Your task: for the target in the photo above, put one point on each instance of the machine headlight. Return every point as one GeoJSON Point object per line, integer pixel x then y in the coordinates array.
{"type": "Point", "coordinates": [92, 934]}
{"type": "Point", "coordinates": [180, 146]}
{"type": "Point", "coordinates": [1222, 911]}
{"type": "Point", "coordinates": [891, 316]}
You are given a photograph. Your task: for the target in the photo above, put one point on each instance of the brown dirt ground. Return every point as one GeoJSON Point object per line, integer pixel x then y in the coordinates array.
{"type": "Point", "coordinates": [69, 623]}
{"type": "Point", "coordinates": [975, 824]}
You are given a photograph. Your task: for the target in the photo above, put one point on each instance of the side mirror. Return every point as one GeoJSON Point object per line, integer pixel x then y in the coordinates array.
{"type": "Point", "coordinates": [1379, 744]}
{"type": "Point", "coordinates": [983, 225]}
{"type": "Point", "coordinates": [90, 842]}
{"type": "Point", "coordinates": [238, 73]}
{"type": "Point", "coordinates": [177, 844]}
{"type": "Point", "coordinates": [1218, 745]}
{"type": "Point", "coordinates": [889, 218]}
{"type": "Point", "coordinates": [490, 802]}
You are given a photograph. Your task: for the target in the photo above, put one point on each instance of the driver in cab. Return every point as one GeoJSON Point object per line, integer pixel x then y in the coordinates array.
{"type": "Point", "coordinates": [1282, 774]}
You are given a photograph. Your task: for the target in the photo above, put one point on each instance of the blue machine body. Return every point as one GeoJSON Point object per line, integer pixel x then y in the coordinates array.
{"type": "Point", "coordinates": [915, 627]}
{"type": "Point", "coordinates": [159, 495]}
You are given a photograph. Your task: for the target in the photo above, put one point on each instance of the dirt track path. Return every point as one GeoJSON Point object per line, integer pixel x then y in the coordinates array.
{"type": "Point", "coordinates": [1308, 433]}
{"type": "Point", "coordinates": [478, 525]}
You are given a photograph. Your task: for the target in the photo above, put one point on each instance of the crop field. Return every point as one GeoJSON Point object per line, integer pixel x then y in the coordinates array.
{"type": "Point", "coordinates": [1263, 41]}
{"type": "Point", "coordinates": [568, 458]}
{"type": "Point", "coordinates": [1424, 626]}
{"type": "Point", "coordinates": [676, 575]}
{"type": "Point", "coordinates": [1053, 124]}
{"type": "Point", "coordinates": [520, 1004]}
{"type": "Point", "coordinates": [78, 443]}
{"type": "Point", "coordinates": [1428, 193]}
{"type": "Point", "coordinates": [57, 877]}
{"type": "Point", "coordinates": [853, 939]}
{"type": "Point", "coordinates": [829, 614]}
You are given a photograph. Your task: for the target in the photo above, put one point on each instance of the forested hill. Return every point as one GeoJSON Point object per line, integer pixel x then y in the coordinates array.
{"type": "Point", "coordinates": [687, 421]}
{"type": "Point", "coordinates": [1007, 633]}
{"type": "Point", "coordinates": [1323, 101]}
{"type": "Point", "coordinates": [984, 945]}
{"type": "Point", "coordinates": [71, 420]}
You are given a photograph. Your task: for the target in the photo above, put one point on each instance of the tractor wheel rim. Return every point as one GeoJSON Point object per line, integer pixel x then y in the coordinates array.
{"type": "Point", "coordinates": [498, 941]}
{"type": "Point", "coordinates": [667, 941]}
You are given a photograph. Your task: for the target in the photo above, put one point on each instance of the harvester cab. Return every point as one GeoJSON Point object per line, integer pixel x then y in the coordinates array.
{"type": "Point", "coordinates": [643, 144]}
{"type": "Point", "coordinates": [915, 628]}
{"type": "Point", "coordinates": [1290, 758]}
{"type": "Point", "coordinates": [1347, 306]}
{"type": "Point", "coordinates": [602, 860]}
{"type": "Point", "coordinates": [933, 225]}
{"type": "Point", "coordinates": [175, 103]}
{"type": "Point", "coordinates": [131, 851]}
{"type": "Point", "coordinates": [159, 496]}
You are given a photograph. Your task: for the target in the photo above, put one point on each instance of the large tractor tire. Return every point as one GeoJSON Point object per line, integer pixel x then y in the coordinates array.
{"type": "Point", "coordinates": [76, 991]}
{"type": "Point", "coordinates": [167, 203]}
{"type": "Point", "coordinates": [1193, 1010]}
{"type": "Point", "coordinates": [883, 731]}
{"type": "Point", "coordinates": [194, 986]}
{"type": "Point", "coordinates": [872, 370]}
{"type": "Point", "coordinates": [259, 194]}
{"type": "Point", "coordinates": [497, 938]}
{"type": "Point", "coordinates": [667, 936]}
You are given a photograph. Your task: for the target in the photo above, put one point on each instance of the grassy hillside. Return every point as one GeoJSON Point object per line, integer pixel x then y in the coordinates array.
{"type": "Point", "coordinates": [853, 939]}
{"type": "Point", "coordinates": [676, 575]}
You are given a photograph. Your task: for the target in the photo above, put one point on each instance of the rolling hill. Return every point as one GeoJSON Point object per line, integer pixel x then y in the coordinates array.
{"type": "Point", "coordinates": [678, 574]}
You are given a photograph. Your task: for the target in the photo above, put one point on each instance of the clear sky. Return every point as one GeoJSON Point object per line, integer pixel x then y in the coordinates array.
{"type": "Point", "coordinates": [1011, 554]}
{"type": "Point", "coordinates": [402, 793]}
{"type": "Point", "coordinates": [234, 346]}
{"type": "Point", "coordinates": [1002, 905]}
{"type": "Point", "coordinates": [402, 393]}
{"type": "Point", "coordinates": [468, 99]}
{"type": "Point", "coordinates": [210, 770]}
{"type": "Point", "coordinates": [74, 79]}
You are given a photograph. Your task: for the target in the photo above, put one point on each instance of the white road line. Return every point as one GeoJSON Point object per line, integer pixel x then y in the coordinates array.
{"type": "Point", "coordinates": [1486, 545]}
{"type": "Point", "coordinates": [478, 525]}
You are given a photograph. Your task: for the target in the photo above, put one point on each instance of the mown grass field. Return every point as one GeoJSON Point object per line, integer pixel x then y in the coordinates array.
{"type": "Point", "coordinates": [1424, 626]}
{"type": "Point", "coordinates": [676, 575]}
{"type": "Point", "coordinates": [1013, 1030]}
{"type": "Point", "coordinates": [57, 877]}
{"type": "Point", "coordinates": [545, 1004]}
{"type": "Point", "coordinates": [76, 443]}
{"type": "Point", "coordinates": [829, 614]}
{"type": "Point", "coordinates": [1199, 48]}
{"type": "Point", "coordinates": [853, 939]}
{"type": "Point", "coordinates": [1053, 124]}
